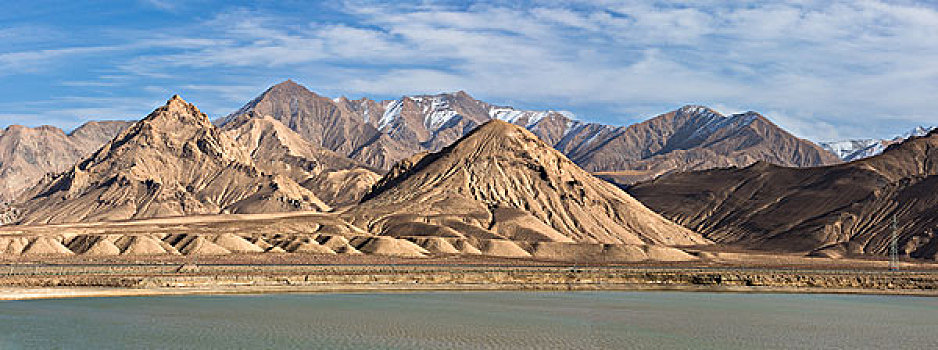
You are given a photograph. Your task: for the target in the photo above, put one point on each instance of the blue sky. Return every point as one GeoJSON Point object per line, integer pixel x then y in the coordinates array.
{"type": "Point", "coordinates": [824, 70]}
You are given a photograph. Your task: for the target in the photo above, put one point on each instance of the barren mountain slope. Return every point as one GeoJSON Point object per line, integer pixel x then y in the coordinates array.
{"type": "Point", "coordinates": [28, 154]}
{"type": "Point", "coordinates": [846, 208]}
{"type": "Point", "coordinates": [690, 138]}
{"type": "Point", "coordinates": [173, 162]}
{"type": "Point", "coordinates": [94, 134]}
{"type": "Point", "coordinates": [276, 149]}
{"type": "Point", "coordinates": [501, 181]}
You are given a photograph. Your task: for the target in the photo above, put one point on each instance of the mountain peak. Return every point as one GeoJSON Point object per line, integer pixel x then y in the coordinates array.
{"type": "Point", "coordinates": [177, 110]}
{"type": "Point", "coordinates": [494, 139]}
{"type": "Point", "coordinates": [285, 90]}
{"type": "Point", "coordinates": [462, 94]}
{"type": "Point", "coordinates": [498, 135]}
{"type": "Point", "coordinates": [499, 126]}
{"type": "Point", "coordinates": [501, 181]}
{"type": "Point", "coordinates": [176, 103]}
{"type": "Point", "coordinates": [697, 109]}
{"type": "Point", "coordinates": [287, 85]}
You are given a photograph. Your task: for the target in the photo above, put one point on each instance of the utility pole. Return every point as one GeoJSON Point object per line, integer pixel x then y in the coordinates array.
{"type": "Point", "coordinates": [894, 246]}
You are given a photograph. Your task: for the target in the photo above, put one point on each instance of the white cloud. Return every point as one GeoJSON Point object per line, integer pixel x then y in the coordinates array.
{"type": "Point", "coordinates": [824, 69]}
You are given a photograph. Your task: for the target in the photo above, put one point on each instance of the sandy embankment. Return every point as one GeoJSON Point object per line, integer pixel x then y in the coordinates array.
{"type": "Point", "coordinates": [68, 282]}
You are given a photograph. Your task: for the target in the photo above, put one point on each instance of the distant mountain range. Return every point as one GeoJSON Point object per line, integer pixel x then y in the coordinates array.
{"type": "Point", "coordinates": [850, 150]}
{"type": "Point", "coordinates": [380, 133]}
{"type": "Point", "coordinates": [690, 138]}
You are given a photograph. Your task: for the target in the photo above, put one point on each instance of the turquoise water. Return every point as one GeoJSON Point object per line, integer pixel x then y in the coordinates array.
{"type": "Point", "coordinates": [474, 320]}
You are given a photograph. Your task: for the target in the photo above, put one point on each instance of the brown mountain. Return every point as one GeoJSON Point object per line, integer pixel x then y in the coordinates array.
{"type": "Point", "coordinates": [690, 138]}
{"type": "Point", "coordinates": [846, 208]}
{"type": "Point", "coordinates": [326, 124]}
{"type": "Point", "coordinates": [173, 162]}
{"type": "Point", "coordinates": [501, 182]}
{"type": "Point", "coordinates": [430, 121]}
{"type": "Point", "coordinates": [380, 133]}
{"type": "Point", "coordinates": [275, 149]}
{"type": "Point", "coordinates": [28, 154]}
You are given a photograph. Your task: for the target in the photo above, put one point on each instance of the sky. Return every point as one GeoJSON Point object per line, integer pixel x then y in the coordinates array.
{"type": "Point", "coordinates": [824, 70]}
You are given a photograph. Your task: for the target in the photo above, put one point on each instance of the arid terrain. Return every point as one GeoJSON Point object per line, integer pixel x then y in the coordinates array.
{"type": "Point", "coordinates": [315, 252]}
{"type": "Point", "coordinates": [295, 185]}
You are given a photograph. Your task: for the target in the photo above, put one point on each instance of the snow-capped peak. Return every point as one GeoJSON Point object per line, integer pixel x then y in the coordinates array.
{"type": "Point", "coordinates": [850, 150]}
{"type": "Point", "coordinates": [528, 118]}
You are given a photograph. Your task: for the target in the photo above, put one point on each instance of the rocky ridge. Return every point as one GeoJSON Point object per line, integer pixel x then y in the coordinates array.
{"type": "Point", "coordinates": [380, 133]}
{"type": "Point", "coordinates": [173, 162]}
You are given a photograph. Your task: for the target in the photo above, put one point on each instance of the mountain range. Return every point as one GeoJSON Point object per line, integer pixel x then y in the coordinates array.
{"type": "Point", "coordinates": [378, 134]}
{"type": "Point", "coordinates": [448, 169]}
{"type": "Point", "coordinates": [381, 133]}
{"type": "Point", "coordinates": [850, 150]}
{"type": "Point", "coordinates": [690, 138]}
{"type": "Point", "coordinates": [499, 190]}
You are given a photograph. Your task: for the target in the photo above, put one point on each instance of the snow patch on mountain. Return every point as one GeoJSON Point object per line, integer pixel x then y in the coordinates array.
{"type": "Point", "coordinates": [716, 121]}
{"type": "Point", "coordinates": [391, 113]}
{"type": "Point", "coordinates": [528, 118]}
{"type": "Point", "coordinates": [847, 148]}
{"type": "Point", "coordinates": [436, 109]}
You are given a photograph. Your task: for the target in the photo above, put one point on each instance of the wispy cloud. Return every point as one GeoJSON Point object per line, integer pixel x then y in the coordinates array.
{"type": "Point", "coordinates": [165, 5]}
{"type": "Point", "coordinates": [30, 61]}
{"type": "Point", "coordinates": [821, 69]}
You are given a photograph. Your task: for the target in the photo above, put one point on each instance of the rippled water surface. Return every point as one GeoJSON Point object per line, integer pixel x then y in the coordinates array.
{"type": "Point", "coordinates": [475, 320]}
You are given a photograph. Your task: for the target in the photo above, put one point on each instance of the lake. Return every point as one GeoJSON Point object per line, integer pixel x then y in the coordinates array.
{"type": "Point", "coordinates": [475, 320]}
